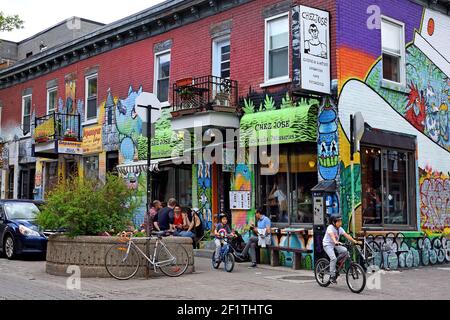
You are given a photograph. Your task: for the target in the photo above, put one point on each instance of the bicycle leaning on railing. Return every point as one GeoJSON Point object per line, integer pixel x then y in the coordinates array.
{"type": "Point", "coordinates": [355, 274]}
{"type": "Point", "coordinates": [122, 260]}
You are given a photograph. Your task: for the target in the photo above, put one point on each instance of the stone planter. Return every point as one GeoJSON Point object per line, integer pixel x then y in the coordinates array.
{"type": "Point", "coordinates": [88, 253]}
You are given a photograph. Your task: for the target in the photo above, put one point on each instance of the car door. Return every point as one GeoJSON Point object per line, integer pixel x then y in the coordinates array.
{"type": "Point", "coordinates": [2, 224]}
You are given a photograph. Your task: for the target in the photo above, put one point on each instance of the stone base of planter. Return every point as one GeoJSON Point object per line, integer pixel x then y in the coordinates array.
{"type": "Point", "coordinates": [88, 253]}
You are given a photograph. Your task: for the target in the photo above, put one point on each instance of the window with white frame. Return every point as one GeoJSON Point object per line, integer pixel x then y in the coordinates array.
{"type": "Point", "coordinates": [91, 97]}
{"type": "Point", "coordinates": [221, 57]}
{"type": "Point", "coordinates": [52, 99]}
{"type": "Point", "coordinates": [26, 114]}
{"type": "Point", "coordinates": [393, 45]}
{"type": "Point", "coordinates": [277, 48]}
{"type": "Point", "coordinates": [162, 75]}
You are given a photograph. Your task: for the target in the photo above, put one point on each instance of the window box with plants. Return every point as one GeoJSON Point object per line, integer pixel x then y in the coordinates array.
{"type": "Point", "coordinates": [70, 135]}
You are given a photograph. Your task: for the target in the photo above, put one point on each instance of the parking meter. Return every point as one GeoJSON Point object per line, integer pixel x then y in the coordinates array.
{"type": "Point", "coordinates": [325, 204]}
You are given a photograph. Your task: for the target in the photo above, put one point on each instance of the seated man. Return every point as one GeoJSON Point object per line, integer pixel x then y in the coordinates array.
{"type": "Point", "coordinates": [263, 223]}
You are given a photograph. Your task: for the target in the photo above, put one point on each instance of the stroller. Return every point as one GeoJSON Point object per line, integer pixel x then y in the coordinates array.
{"type": "Point", "coordinates": [238, 245]}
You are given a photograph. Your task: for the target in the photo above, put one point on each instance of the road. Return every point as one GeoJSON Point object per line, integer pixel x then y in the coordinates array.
{"type": "Point", "coordinates": [21, 279]}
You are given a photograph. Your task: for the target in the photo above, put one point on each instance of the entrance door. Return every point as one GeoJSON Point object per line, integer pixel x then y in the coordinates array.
{"type": "Point", "coordinates": [27, 176]}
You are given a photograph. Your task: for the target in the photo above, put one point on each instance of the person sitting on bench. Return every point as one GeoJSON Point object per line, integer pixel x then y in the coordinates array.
{"type": "Point", "coordinates": [250, 248]}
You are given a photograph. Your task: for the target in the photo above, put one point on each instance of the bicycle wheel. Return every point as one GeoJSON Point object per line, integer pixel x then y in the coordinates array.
{"type": "Point", "coordinates": [173, 265]}
{"type": "Point", "coordinates": [322, 272]}
{"type": "Point", "coordinates": [120, 263]}
{"type": "Point", "coordinates": [356, 278]}
{"type": "Point", "coordinates": [229, 262]}
{"type": "Point", "coordinates": [215, 264]}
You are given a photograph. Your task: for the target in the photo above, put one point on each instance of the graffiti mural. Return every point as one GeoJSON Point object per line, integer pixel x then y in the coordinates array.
{"type": "Point", "coordinates": [242, 181]}
{"type": "Point", "coordinates": [327, 146]}
{"type": "Point", "coordinates": [204, 193]}
{"type": "Point", "coordinates": [434, 201]}
{"type": "Point", "coordinates": [395, 251]}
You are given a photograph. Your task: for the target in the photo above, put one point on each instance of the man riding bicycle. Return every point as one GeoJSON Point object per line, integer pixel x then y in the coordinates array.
{"type": "Point", "coordinates": [331, 243]}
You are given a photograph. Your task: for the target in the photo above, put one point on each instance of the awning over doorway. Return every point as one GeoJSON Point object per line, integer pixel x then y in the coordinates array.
{"type": "Point", "coordinates": [141, 166]}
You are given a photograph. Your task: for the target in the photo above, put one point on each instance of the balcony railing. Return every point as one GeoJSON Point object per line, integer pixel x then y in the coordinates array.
{"type": "Point", "coordinates": [205, 93]}
{"type": "Point", "coordinates": [57, 126]}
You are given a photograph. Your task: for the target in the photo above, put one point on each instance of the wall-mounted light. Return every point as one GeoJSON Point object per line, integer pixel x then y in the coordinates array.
{"type": "Point", "coordinates": [311, 163]}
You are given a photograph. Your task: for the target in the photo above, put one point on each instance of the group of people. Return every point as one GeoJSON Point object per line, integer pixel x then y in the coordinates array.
{"type": "Point", "coordinates": [174, 219]}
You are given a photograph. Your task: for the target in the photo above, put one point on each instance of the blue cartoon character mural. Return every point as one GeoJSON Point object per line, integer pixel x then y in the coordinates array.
{"type": "Point", "coordinates": [129, 125]}
{"type": "Point", "coordinates": [328, 151]}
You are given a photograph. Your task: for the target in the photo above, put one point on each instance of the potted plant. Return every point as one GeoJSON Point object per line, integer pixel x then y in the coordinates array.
{"type": "Point", "coordinates": [70, 135]}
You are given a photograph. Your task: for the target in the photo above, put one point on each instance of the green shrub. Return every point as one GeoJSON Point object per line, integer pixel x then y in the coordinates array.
{"type": "Point", "coordinates": [88, 207]}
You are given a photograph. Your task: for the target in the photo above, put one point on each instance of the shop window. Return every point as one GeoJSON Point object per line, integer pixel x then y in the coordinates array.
{"type": "Point", "coordinates": [91, 167]}
{"type": "Point", "coordinates": [388, 182]}
{"type": "Point", "coordinates": [393, 45]}
{"type": "Point", "coordinates": [51, 176]}
{"type": "Point", "coordinates": [285, 193]}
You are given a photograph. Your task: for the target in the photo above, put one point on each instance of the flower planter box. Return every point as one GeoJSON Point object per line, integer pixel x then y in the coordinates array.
{"type": "Point", "coordinates": [70, 138]}
{"type": "Point", "coordinates": [41, 140]}
{"type": "Point", "coordinates": [88, 253]}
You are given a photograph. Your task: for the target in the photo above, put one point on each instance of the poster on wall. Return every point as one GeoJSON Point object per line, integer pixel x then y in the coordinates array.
{"type": "Point", "coordinates": [313, 31]}
{"type": "Point", "coordinates": [240, 200]}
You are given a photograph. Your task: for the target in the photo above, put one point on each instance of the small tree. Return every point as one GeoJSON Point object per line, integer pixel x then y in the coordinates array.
{"type": "Point", "coordinates": [87, 207]}
{"type": "Point", "coordinates": [10, 22]}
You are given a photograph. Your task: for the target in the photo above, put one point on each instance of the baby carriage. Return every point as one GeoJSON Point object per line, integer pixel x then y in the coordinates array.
{"type": "Point", "coordinates": [238, 245]}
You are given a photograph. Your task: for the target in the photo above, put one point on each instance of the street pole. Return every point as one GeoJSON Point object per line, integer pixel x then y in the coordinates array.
{"type": "Point", "coordinates": [352, 147]}
{"type": "Point", "coordinates": [149, 156]}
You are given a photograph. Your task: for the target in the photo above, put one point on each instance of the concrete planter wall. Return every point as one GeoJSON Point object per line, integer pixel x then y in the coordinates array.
{"type": "Point", "coordinates": [88, 253]}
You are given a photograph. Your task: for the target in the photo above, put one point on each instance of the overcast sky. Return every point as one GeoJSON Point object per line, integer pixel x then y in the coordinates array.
{"type": "Point", "coordinates": [41, 14]}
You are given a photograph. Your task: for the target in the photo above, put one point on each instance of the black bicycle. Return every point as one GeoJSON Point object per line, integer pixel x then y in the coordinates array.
{"type": "Point", "coordinates": [355, 274]}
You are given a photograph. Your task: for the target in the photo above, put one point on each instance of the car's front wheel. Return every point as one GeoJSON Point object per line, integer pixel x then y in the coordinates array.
{"type": "Point", "coordinates": [9, 248]}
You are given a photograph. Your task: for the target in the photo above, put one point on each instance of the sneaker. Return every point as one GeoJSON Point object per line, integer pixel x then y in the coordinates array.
{"type": "Point", "coordinates": [333, 279]}
{"type": "Point", "coordinates": [252, 266]}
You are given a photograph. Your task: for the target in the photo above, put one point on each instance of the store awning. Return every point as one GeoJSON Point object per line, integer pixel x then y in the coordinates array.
{"type": "Point", "coordinates": [141, 166]}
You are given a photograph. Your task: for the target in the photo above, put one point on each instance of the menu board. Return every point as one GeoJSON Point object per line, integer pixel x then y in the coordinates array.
{"type": "Point", "coordinates": [240, 200]}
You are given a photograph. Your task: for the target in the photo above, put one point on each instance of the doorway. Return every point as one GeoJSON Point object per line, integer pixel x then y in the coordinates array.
{"type": "Point", "coordinates": [26, 183]}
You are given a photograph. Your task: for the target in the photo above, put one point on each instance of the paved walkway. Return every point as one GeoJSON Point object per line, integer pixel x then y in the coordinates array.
{"type": "Point", "coordinates": [28, 280]}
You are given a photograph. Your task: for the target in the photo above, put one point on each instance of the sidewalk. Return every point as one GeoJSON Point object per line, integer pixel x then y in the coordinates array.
{"type": "Point", "coordinates": [206, 253]}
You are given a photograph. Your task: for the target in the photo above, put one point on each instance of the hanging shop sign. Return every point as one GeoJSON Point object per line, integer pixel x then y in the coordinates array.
{"type": "Point", "coordinates": [311, 46]}
{"type": "Point", "coordinates": [70, 147]}
{"type": "Point", "coordinates": [240, 200]}
{"type": "Point", "coordinates": [289, 125]}
{"type": "Point", "coordinates": [92, 140]}
{"type": "Point", "coordinates": [44, 131]}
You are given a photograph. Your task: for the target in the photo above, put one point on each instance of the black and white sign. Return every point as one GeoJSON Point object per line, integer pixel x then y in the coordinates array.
{"type": "Point", "coordinates": [314, 36]}
{"type": "Point", "coordinates": [240, 200]}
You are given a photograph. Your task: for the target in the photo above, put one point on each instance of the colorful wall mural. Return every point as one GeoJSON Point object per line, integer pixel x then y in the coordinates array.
{"type": "Point", "coordinates": [243, 180]}
{"type": "Point", "coordinates": [419, 108]}
{"type": "Point", "coordinates": [327, 143]}
{"type": "Point", "coordinates": [204, 193]}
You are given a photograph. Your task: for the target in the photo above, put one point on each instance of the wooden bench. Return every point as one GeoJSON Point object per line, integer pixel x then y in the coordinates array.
{"type": "Point", "coordinates": [297, 255]}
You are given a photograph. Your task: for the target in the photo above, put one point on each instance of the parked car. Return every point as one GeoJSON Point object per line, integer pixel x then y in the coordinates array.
{"type": "Point", "coordinates": [19, 233]}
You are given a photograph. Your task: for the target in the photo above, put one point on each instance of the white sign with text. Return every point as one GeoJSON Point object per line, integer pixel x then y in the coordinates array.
{"type": "Point", "coordinates": [315, 50]}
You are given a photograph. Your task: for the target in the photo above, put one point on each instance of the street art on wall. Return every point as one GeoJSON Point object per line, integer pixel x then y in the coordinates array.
{"type": "Point", "coordinates": [418, 108]}
{"type": "Point", "coordinates": [327, 143]}
{"type": "Point", "coordinates": [434, 201]}
{"type": "Point", "coordinates": [243, 180]}
{"type": "Point", "coordinates": [404, 250]}
{"type": "Point", "coordinates": [204, 193]}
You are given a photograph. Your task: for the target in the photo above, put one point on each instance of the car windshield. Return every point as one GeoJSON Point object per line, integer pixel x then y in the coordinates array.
{"type": "Point", "coordinates": [21, 210]}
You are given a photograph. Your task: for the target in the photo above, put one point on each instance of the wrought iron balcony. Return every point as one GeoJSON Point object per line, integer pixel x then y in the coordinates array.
{"type": "Point", "coordinates": [57, 126]}
{"type": "Point", "coordinates": [205, 93]}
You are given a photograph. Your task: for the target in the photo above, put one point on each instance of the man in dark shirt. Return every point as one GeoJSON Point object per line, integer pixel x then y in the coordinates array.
{"type": "Point", "coordinates": [163, 220]}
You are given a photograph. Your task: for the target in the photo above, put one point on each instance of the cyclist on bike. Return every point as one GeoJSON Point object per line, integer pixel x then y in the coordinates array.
{"type": "Point", "coordinates": [221, 231]}
{"type": "Point", "coordinates": [331, 243]}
